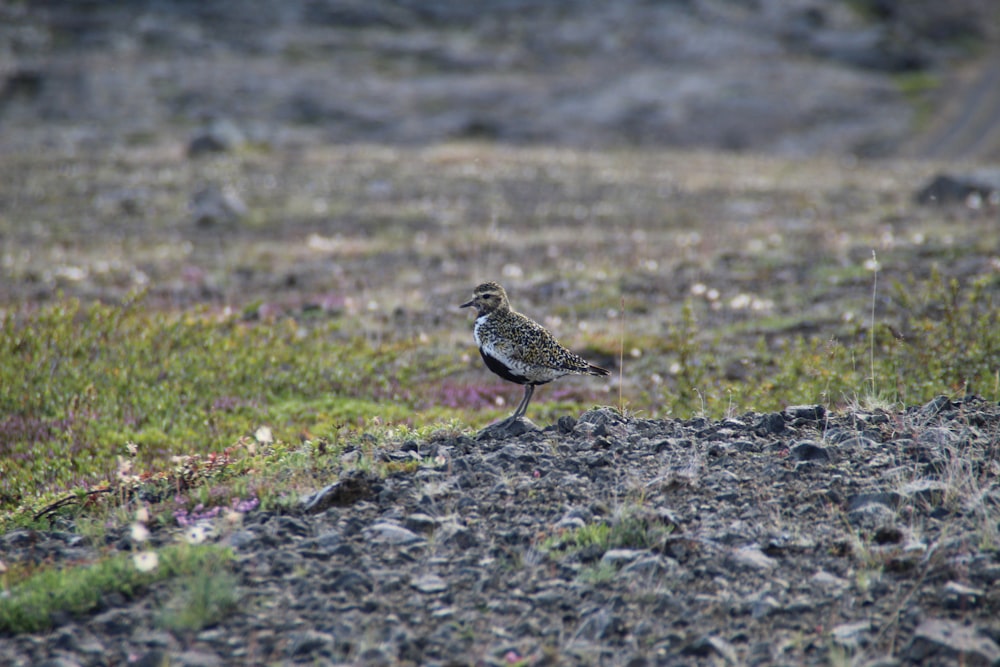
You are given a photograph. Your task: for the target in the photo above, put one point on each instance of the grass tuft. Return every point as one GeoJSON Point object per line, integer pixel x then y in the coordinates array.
{"type": "Point", "coordinates": [31, 605]}
{"type": "Point", "coordinates": [200, 601]}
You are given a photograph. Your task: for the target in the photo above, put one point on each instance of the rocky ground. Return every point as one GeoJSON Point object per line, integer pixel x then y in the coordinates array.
{"type": "Point", "coordinates": [798, 537]}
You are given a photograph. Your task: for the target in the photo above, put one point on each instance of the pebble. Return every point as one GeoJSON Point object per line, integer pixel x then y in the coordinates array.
{"type": "Point", "coordinates": [430, 583]}
{"type": "Point", "coordinates": [391, 533]}
{"type": "Point", "coordinates": [752, 557]}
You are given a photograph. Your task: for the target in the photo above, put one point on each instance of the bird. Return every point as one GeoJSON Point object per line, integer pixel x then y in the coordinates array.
{"type": "Point", "coordinates": [517, 348]}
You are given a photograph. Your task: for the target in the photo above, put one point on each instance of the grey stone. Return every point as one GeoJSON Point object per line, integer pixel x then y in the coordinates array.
{"type": "Point", "coordinates": [960, 596]}
{"type": "Point", "coordinates": [310, 642]}
{"type": "Point", "coordinates": [951, 188]}
{"type": "Point", "coordinates": [420, 522]}
{"type": "Point", "coordinates": [113, 622]}
{"type": "Point", "coordinates": [508, 428]}
{"type": "Point", "coordinates": [429, 583]}
{"type": "Point", "coordinates": [58, 661]}
{"type": "Point", "coordinates": [213, 205]}
{"type": "Point", "coordinates": [220, 136]}
{"type": "Point", "coordinates": [713, 645]}
{"type": "Point", "coordinates": [805, 412]}
{"type": "Point", "coordinates": [852, 635]}
{"type": "Point", "coordinates": [764, 606]}
{"type": "Point", "coordinates": [391, 533]}
{"type": "Point", "coordinates": [751, 557]}
{"type": "Point", "coordinates": [153, 658]}
{"type": "Point", "coordinates": [619, 557]}
{"type": "Point", "coordinates": [938, 638]}
{"type": "Point", "coordinates": [810, 451]}
{"type": "Point", "coordinates": [196, 659]}
{"type": "Point", "coordinates": [652, 566]}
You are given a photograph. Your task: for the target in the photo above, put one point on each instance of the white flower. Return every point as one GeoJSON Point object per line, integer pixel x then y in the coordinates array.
{"type": "Point", "coordinates": [139, 532]}
{"type": "Point", "coordinates": [146, 561]}
{"type": "Point", "coordinates": [195, 534]}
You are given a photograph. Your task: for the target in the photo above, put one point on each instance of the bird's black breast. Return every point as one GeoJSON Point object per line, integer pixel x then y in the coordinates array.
{"type": "Point", "coordinates": [503, 370]}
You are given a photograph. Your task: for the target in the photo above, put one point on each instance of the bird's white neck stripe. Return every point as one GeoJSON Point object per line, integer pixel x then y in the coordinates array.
{"type": "Point", "coordinates": [481, 320]}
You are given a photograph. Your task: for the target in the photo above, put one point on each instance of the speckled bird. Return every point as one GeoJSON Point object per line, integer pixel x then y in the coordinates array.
{"type": "Point", "coordinates": [517, 348]}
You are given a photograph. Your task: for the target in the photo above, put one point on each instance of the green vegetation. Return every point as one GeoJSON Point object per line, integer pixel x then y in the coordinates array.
{"type": "Point", "coordinates": [80, 383]}
{"type": "Point", "coordinates": [938, 336]}
{"type": "Point", "coordinates": [78, 589]}
{"type": "Point", "coordinates": [77, 383]}
{"type": "Point", "coordinates": [200, 600]}
{"type": "Point", "coordinates": [626, 532]}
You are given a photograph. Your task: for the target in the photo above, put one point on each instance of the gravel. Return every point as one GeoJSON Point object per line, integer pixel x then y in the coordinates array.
{"type": "Point", "coordinates": [799, 537]}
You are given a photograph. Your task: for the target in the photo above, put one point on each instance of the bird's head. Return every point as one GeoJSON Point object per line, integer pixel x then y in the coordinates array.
{"type": "Point", "coordinates": [487, 298]}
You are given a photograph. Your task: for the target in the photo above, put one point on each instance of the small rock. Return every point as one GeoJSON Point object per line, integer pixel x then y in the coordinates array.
{"type": "Point", "coordinates": [566, 424]}
{"type": "Point", "coordinates": [620, 557]}
{"type": "Point", "coordinates": [651, 566]}
{"type": "Point", "coordinates": [929, 491]}
{"type": "Point", "coordinates": [960, 596]}
{"type": "Point", "coordinates": [959, 188]}
{"type": "Point", "coordinates": [213, 206]}
{"type": "Point", "coordinates": [938, 638]}
{"type": "Point", "coordinates": [805, 412]}
{"type": "Point", "coordinates": [349, 581]}
{"type": "Point", "coordinates": [769, 424]}
{"type": "Point", "coordinates": [290, 526]}
{"type": "Point", "coordinates": [421, 523]}
{"type": "Point", "coordinates": [602, 417]}
{"type": "Point", "coordinates": [429, 583]}
{"type": "Point", "coordinates": [810, 451]}
{"type": "Point", "coordinates": [871, 517]}
{"type": "Point", "coordinates": [242, 539]}
{"type": "Point", "coordinates": [154, 658]}
{"type": "Point", "coordinates": [309, 642]}
{"type": "Point", "coordinates": [195, 659]}
{"type": "Point", "coordinates": [597, 625]}
{"type": "Point", "coordinates": [454, 533]}
{"type": "Point", "coordinates": [852, 635]}
{"type": "Point", "coordinates": [826, 580]}
{"type": "Point", "coordinates": [570, 523]}
{"type": "Point", "coordinates": [375, 657]}
{"type": "Point", "coordinates": [764, 606]}
{"type": "Point", "coordinates": [221, 135]}
{"type": "Point", "coordinates": [706, 646]}
{"type": "Point", "coordinates": [114, 622]}
{"type": "Point", "coordinates": [887, 499]}
{"type": "Point", "coordinates": [509, 428]}
{"type": "Point", "coordinates": [329, 540]}
{"type": "Point", "coordinates": [391, 533]}
{"type": "Point", "coordinates": [350, 489]}
{"type": "Point", "coordinates": [935, 405]}
{"type": "Point", "coordinates": [60, 661]}
{"type": "Point", "coordinates": [752, 557]}
{"type": "Point", "coordinates": [65, 639]}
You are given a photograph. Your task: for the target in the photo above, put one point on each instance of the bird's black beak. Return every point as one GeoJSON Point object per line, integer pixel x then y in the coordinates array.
{"type": "Point", "coordinates": [466, 305]}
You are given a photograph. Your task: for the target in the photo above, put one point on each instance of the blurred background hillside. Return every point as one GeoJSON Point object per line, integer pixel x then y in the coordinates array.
{"type": "Point", "coordinates": [878, 78]}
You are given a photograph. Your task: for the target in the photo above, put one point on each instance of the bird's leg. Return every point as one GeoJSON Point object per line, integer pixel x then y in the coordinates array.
{"type": "Point", "coordinates": [529, 389]}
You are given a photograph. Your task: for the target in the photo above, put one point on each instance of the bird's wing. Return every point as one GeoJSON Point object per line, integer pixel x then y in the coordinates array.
{"type": "Point", "coordinates": [542, 349]}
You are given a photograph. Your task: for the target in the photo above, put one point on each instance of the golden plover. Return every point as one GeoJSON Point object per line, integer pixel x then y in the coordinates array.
{"type": "Point", "coordinates": [517, 348]}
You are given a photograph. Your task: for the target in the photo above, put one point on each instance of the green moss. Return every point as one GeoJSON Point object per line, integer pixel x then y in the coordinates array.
{"type": "Point", "coordinates": [77, 590]}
